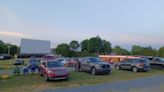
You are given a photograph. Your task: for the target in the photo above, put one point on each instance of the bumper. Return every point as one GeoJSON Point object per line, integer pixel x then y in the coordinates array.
{"type": "Point", "coordinates": [144, 69]}
{"type": "Point", "coordinates": [58, 77]}
{"type": "Point", "coordinates": [103, 71]}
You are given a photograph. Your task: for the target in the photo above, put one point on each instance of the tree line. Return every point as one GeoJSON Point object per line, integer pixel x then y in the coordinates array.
{"type": "Point", "coordinates": [90, 47]}
{"type": "Point", "coordinates": [95, 46]}
{"type": "Point", "coordinates": [7, 48]}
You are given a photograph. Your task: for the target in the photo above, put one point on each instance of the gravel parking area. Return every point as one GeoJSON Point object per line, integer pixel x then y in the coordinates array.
{"type": "Point", "coordinates": [150, 84]}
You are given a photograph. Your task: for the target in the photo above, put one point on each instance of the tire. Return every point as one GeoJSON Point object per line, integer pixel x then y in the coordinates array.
{"type": "Point", "coordinates": [134, 69]}
{"type": "Point", "coordinates": [93, 71]}
{"type": "Point", "coordinates": [46, 78]}
{"type": "Point", "coordinates": [118, 67]}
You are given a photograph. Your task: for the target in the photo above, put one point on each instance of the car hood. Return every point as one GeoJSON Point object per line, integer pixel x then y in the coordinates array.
{"type": "Point", "coordinates": [57, 68]}
{"type": "Point", "coordinates": [101, 63]}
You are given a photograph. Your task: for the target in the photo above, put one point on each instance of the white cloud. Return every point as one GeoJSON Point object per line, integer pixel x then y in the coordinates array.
{"type": "Point", "coordinates": [16, 34]}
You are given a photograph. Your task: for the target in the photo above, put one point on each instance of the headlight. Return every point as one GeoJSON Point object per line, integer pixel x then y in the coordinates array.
{"type": "Point", "coordinates": [50, 72]}
{"type": "Point", "coordinates": [98, 67]}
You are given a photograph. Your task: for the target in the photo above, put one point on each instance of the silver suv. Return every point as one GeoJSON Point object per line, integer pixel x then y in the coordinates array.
{"type": "Point", "coordinates": [94, 65]}
{"type": "Point", "coordinates": [134, 64]}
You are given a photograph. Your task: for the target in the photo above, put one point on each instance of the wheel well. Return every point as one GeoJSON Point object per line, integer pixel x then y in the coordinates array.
{"type": "Point", "coordinates": [92, 67]}
{"type": "Point", "coordinates": [132, 67]}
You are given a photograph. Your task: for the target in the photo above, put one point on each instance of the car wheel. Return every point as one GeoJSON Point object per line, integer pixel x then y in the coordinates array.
{"type": "Point", "coordinates": [46, 78]}
{"type": "Point", "coordinates": [134, 69]}
{"type": "Point", "coordinates": [118, 67]}
{"type": "Point", "coordinates": [93, 71]}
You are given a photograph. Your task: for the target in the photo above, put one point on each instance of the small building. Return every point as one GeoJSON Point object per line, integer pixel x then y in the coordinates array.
{"type": "Point", "coordinates": [116, 58]}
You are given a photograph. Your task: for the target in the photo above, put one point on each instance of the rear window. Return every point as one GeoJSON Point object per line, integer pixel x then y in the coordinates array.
{"type": "Point", "coordinates": [54, 64]}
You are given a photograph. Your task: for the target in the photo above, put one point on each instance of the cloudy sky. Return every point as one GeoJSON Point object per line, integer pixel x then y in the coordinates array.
{"type": "Point", "coordinates": [122, 22]}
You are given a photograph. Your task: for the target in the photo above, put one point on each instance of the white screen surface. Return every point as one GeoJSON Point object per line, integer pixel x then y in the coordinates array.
{"type": "Point", "coordinates": [30, 46]}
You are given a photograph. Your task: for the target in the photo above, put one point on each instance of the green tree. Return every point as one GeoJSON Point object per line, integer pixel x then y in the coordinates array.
{"type": "Point", "coordinates": [106, 49]}
{"type": "Point", "coordinates": [136, 50]}
{"type": "Point", "coordinates": [84, 45]}
{"type": "Point", "coordinates": [63, 49]}
{"type": "Point", "coordinates": [74, 45]}
{"type": "Point", "coordinates": [95, 45]}
{"type": "Point", "coordinates": [161, 52]}
{"type": "Point", "coordinates": [146, 51]}
{"type": "Point", "coordinates": [14, 49]}
{"type": "Point", "coordinates": [120, 51]}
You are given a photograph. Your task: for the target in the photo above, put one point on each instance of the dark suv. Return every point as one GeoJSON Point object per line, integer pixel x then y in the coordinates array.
{"type": "Point", "coordinates": [94, 65]}
{"type": "Point", "coordinates": [157, 62]}
{"type": "Point", "coordinates": [133, 64]}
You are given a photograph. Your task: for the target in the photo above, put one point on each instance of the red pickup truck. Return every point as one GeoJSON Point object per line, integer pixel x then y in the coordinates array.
{"type": "Point", "coordinates": [53, 69]}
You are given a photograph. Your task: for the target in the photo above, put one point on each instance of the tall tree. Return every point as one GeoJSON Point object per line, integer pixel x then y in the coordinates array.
{"type": "Point", "coordinates": [63, 49]}
{"type": "Point", "coordinates": [74, 45]}
{"type": "Point", "coordinates": [95, 45]}
{"type": "Point", "coordinates": [106, 49]}
{"type": "Point", "coordinates": [120, 51]}
{"type": "Point", "coordinates": [161, 52]}
{"type": "Point", "coordinates": [136, 50]}
{"type": "Point", "coordinates": [84, 45]}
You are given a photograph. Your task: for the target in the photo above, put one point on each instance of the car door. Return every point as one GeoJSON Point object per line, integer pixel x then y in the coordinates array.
{"type": "Point", "coordinates": [83, 64]}
{"type": "Point", "coordinates": [88, 64]}
{"type": "Point", "coordinates": [123, 64]}
{"type": "Point", "coordinates": [155, 63]}
{"type": "Point", "coordinates": [129, 64]}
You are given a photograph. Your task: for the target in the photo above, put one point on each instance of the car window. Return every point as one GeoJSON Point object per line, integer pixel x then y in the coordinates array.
{"type": "Point", "coordinates": [94, 59]}
{"type": "Point", "coordinates": [54, 64]}
{"type": "Point", "coordinates": [140, 61]}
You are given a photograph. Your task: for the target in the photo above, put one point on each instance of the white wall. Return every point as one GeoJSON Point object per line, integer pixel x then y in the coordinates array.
{"type": "Point", "coordinates": [30, 46]}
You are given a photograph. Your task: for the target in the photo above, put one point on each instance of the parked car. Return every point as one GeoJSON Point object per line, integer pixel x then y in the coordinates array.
{"type": "Point", "coordinates": [94, 65]}
{"type": "Point", "coordinates": [157, 62]}
{"type": "Point", "coordinates": [134, 64]}
{"type": "Point", "coordinates": [65, 61]}
{"type": "Point", "coordinates": [34, 61]}
{"type": "Point", "coordinates": [53, 70]}
{"type": "Point", "coordinates": [19, 62]}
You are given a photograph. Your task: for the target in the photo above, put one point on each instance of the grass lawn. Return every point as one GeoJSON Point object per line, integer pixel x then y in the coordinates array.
{"type": "Point", "coordinates": [7, 64]}
{"type": "Point", "coordinates": [31, 83]}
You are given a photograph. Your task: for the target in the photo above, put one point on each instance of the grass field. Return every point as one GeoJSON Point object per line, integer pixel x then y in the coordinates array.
{"type": "Point", "coordinates": [31, 83]}
{"type": "Point", "coordinates": [7, 64]}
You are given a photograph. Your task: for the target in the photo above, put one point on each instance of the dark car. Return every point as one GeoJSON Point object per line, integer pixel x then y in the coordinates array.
{"type": "Point", "coordinates": [19, 62]}
{"type": "Point", "coordinates": [134, 64]}
{"type": "Point", "coordinates": [94, 65]}
{"type": "Point", "coordinates": [53, 70]}
{"type": "Point", "coordinates": [157, 62]}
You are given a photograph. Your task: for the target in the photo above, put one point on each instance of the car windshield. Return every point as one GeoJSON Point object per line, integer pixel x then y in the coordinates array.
{"type": "Point", "coordinates": [94, 59]}
{"type": "Point", "coordinates": [140, 61]}
{"type": "Point", "coordinates": [54, 64]}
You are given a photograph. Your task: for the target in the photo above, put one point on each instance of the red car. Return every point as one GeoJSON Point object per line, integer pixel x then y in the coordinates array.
{"type": "Point", "coordinates": [53, 70]}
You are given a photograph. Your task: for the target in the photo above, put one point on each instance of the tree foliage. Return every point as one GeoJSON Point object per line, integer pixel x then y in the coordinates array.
{"type": "Point", "coordinates": [74, 45]}
{"type": "Point", "coordinates": [4, 48]}
{"type": "Point", "coordinates": [161, 52]}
